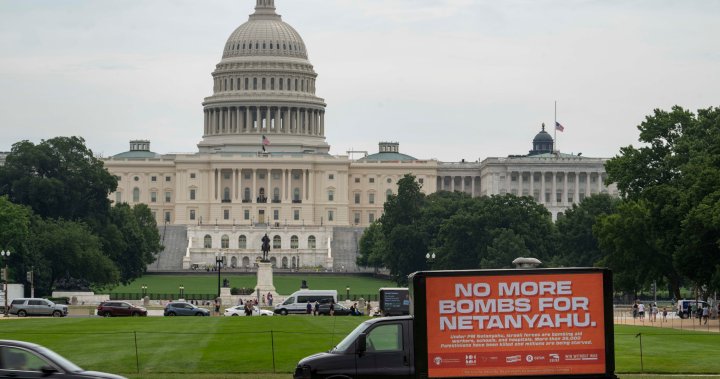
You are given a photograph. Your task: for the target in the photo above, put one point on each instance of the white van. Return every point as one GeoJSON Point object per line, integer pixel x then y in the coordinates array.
{"type": "Point", "coordinates": [297, 302]}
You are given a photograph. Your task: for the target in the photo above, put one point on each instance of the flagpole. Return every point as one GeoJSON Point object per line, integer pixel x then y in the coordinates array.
{"type": "Point", "coordinates": [555, 129]}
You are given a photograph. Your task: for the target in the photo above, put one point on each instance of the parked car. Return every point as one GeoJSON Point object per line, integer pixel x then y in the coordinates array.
{"type": "Point", "coordinates": [340, 310]}
{"type": "Point", "coordinates": [119, 308]}
{"type": "Point", "coordinates": [20, 359]}
{"type": "Point", "coordinates": [181, 308]}
{"type": "Point", "coordinates": [37, 307]}
{"type": "Point", "coordinates": [239, 310]}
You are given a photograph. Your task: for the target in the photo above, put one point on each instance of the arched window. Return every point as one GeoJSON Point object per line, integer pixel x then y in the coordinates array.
{"type": "Point", "coordinates": [273, 262]}
{"type": "Point", "coordinates": [246, 262]}
{"type": "Point", "coordinates": [276, 194]}
{"type": "Point", "coordinates": [226, 194]}
{"type": "Point", "coordinates": [277, 242]}
{"type": "Point", "coordinates": [311, 242]}
{"type": "Point", "coordinates": [136, 195]}
{"type": "Point", "coordinates": [284, 262]}
{"type": "Point", "coordinates": [242, 242]}
{"type": "Point", "coordinates": [233, 262]}
{"type": "Point", "coordinates": [225, 242]}
{"type": "Point", "coordinates": [294, 242]}
{"type": "Point", "coordinates": [208, 241]}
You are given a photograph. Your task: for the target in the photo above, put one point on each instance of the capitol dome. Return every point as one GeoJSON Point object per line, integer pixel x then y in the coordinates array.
{"type": "Point", "coordinates": [542, 143]}
{"type": "Point", "coordinates": [264, 92]}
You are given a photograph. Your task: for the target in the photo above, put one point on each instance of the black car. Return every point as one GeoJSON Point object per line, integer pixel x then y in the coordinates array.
{"type": "Point", "coordinates": [339, 310]}
{"type": "Point", "coordinates": [20, 359]}
{"type": "Point", "coordinates": [181, 308]}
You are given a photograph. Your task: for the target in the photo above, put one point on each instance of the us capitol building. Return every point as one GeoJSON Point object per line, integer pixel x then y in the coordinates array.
{"type": "Point", "coordinates": [263, 167]}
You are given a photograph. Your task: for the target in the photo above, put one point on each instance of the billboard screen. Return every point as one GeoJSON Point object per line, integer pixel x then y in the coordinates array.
{"type": "Point", "coordinates": [515, 325]}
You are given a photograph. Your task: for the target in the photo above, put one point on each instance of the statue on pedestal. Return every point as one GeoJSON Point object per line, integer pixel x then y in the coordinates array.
{"type": "Point", "coordinates": [265, 248]}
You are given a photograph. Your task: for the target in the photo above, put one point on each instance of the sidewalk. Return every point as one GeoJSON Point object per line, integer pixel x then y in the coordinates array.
{"type": "Point", "coordinates": [672, 322]}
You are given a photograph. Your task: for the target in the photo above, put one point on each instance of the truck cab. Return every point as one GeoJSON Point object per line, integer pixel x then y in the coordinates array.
{"type": "Point", "coordinates": [377, 348]}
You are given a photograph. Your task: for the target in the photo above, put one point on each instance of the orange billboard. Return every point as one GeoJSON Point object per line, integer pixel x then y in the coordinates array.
{"type": "Point", "coordinates": [515, 325]}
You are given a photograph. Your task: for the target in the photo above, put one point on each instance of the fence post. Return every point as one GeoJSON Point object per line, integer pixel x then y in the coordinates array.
{"type": "Point", "coordinates": [137, 357]}
{"type": "Point", "coordinates": [641, 352]}
{"type": "Point", "coordinates": [272, 345]}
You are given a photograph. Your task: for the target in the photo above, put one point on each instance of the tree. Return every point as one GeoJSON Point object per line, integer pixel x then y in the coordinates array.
{"type": "Point", "coordinates": [131, 239]}
{"type": "Point", "coordinates": [674, 177]}
{"type": "Point", "coordinates": [372, 247]}
{"type": "Point", "coordinates": [577, 246]}
{"type": "Point", "coordinates": [58, 178]}
{"type": "Point", "coordinates": [67, 249]}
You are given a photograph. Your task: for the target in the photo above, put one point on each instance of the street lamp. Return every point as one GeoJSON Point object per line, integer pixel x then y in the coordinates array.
{"type": "Point", "coordinates": [430, 258]}
{"type": "Point", "coordinates": [144, 290]}
{"type": "Point", "coordinates": [219, 258]}
{"type": "Point", "coordinates": [347, 291]}
{"type": "Point", "coordinates": [182, 291]}
{"type": "Point", "coordinates": [6, 255]}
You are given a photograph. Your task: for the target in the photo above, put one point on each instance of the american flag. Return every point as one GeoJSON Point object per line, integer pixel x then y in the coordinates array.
{"type": "Point", "coordinates": [559, 127]}
{"type": "Point", "coordinates": [265, 141]}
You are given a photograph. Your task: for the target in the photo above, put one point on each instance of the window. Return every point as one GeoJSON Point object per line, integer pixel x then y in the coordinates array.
{"type": "Point", "coordinates": [192, 214]}
{"type": "Point", "coordinates": [385, 338]}
{"type": "Point", "coordinates": [118, 197]}
{"type": "Point", "coordinates": [331, 215]}
{"type": "Point", "coordinates": [294, 242]}
{"type": "Point", "coordinates": [168, 197]}
{"type": "Point", "coordinates": [242, 242]}
{"type": "Point", "coordinates": [192, 194]}
{"type": "Point", "coordinates": [372, 180]}
{"type": "Point", "coordinates": [277, 242]}
{"type": "Point", "coordinates": [153, 178]}
{"type": "Point", "coordinates": [296, 194]}
{"type": "Point", "coordinates": [246, 194]}
{"type": "Point", "coordinates": [226, 214]}
{"type": "Point", "coordinates": [226, 194]}
{"type": "Point", "coordinates": [331, 195]}
{"type": "Point", "coordinates": [357, 180]}
{"type": "Point", "coordinates": [388, 193]}
{"type": "Point", "coordinates": [276, 194]}
{"type": "Point", "coordinates": [296, 214]}
{"type": "Point", "coordinates": [168, 216]}
{"type": "Point", "coordinates": [276, 214]}
{"type": "Point", "coordinates": [136, 195]}
{"type": "Point", "coordinates": [331, 176]}
{"type": "Point", "coordinates": [207, 242]}
{"type": "Point", "coordinates": [311, 242]}
{"type": "Point", "coordinates": [389, 180]}
{"type": "Point", "coordinates": [371, 198]}
{"type": "Point", "coordinates": [357, 197]}
{"type": "Point", "coordinates": [153, 197]}
{"type": "Point", "coordinates": [421, 180]}
{"type": "Point", "coordinates": [136, 178]}
{"type": "Point", "coordinates": [371, 217]}
{"type": "Point", "coordinates": [225, 242]}
{"type": "Point", "coordinates": [246, 214]}
{"type": "Point", "coordinates": [168, 178]}
{"type": "Point", "coordinates": [226, 175]}
{"type": "Point", "coordinates": [357, 218]}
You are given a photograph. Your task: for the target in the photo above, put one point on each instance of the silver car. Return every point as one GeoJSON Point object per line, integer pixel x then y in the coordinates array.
{"type": "Point", "coordinates": [37, 307]}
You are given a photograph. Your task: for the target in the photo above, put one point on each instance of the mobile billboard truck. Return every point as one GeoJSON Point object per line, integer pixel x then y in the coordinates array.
{"type": "Point", "coordinates": [534, 323]}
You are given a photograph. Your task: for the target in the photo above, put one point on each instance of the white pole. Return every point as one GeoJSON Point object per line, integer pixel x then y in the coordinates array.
{"type": "Point", "coordinates": [555, 129]}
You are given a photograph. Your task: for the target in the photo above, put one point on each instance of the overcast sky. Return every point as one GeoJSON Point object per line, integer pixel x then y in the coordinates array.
{"type": "Point", "coordinates": [448, 79]}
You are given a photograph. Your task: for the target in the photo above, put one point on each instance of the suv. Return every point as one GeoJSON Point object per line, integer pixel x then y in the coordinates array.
{"type": "Point", "coordinates": [37, 307]}
{"type": "Point", "coordinates": [119, 308]}
{"type": "Point", "coordinates": [181, 308]}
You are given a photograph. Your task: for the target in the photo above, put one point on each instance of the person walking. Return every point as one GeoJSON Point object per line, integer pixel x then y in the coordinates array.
{"type": "Point", "coordinates": [316, 311]}
{"type": "Point", "coordinates": [308, 308]}
{"type": "Point", "coordinates": [270, 299]}
{"type": "Point", "coordinates": [332, 309]}
{"type": "Point", "coordinates": [664, 314]}
{"type": "Point", "coordinates": [641, 311]}
{"type": "Point", "coordinates": [706, 314]}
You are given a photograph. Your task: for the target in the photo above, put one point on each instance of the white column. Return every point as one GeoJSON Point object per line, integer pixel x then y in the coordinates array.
{"type": "Point", "coordinates": [565, 188]}
{"type": "Point", "coordinates": [576, 197]}
{"type": "Point", "coordinates": [248, 119]}
{"type": "Point", "coordinates": [472, 186]}
{"type": "Point", "coordinates": [303, 195]}
{"type": "Point", "coordinates": [254, 185]}
{"type": "Point", "coordinates": [322, 123]}
{"type": "Point", "coordinates": [217, 183]}
{"type": "Point", "coordinates": [238, 119]}
{"type": "Point", "coordinates": [311, 187]}
{"type": "Point", "coordinates": [587, 184]}
{"type": "Point", "coordinates": [600, 183]}
{"type": "Point", "coordinates": [508, 175]}
{"type": "Point", "coordinates": [542, 188]}
{"type": "Point", "coordinates": [520, 183]}
{"type": "Point", "coordinates": [553, 197]}
{"type": "Point", "coordinates": [452, 184]}
{"type": "Point", "coordinates": [240, 180]}
{"type": "Point", "coordinates": [532, 185]}
{"type": "Point", "coordinates": [233, 186]}
{"type": "Point", "coordinates": [258, 114]}
{"type": "Point", "coordinates": [283, 190]}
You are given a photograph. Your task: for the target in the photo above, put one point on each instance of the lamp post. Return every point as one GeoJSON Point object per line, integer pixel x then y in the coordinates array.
{"type": "Point", "coordinates": [6, 255]}
{"type": "Point", "coordinates": [430, 258]}
{"type": "Point", "coordinates": [347, 292]}
{"type": "Point", "coordinates": [182, 291]}
{"type": "Point", "coordinates": [219, 258]}
{"type": "Point", "coordinates": [143, 288]}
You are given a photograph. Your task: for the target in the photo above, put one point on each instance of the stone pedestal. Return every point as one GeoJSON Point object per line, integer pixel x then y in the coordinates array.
{"type": "Point", "coordinates": [225, 298]}
{"type": "Point", "coordinates": [265, 278]}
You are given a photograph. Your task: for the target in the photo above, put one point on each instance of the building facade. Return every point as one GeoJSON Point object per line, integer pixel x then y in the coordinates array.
{"type": "Point", "coordinates": [263, 165]}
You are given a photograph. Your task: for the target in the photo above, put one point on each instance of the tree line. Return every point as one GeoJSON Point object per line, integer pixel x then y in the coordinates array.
{"type": "Point", "coordinates": [57, 220]}
{"type": "Point", "coordinates": [664, 229]}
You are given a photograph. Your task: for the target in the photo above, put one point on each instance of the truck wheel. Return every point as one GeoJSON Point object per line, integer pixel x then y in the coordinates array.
{"type": "Point", "coordinates": [283, 312]}
{"type": "Point", "coordinates": [22, 313]}
{"type": "Point", "coordinates": [57, 314]}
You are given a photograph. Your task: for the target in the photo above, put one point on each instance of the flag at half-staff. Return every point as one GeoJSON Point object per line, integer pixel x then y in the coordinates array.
{"type": "Point", "coordinates": [265, 142]}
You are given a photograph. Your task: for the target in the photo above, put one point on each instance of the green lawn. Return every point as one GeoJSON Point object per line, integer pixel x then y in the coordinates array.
{"type": "Point", "coordinates": [284, 284]}
{"type": "Point", "coordinates": [218, 347]}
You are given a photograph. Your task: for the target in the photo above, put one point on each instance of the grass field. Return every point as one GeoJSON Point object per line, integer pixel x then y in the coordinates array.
{"type": "Point", "coordinates": [284, 284]}
{"type": "Point", "coordinates": [235, 348]}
